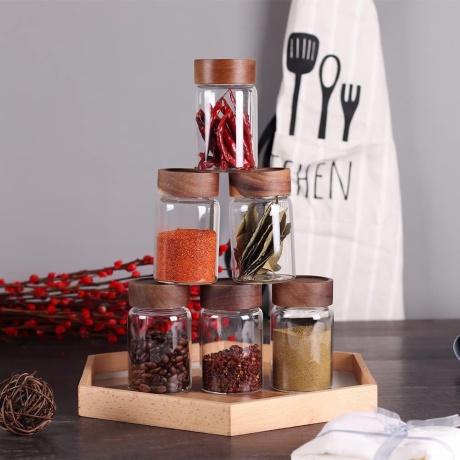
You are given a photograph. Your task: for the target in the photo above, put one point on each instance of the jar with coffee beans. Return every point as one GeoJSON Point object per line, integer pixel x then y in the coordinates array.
{"type": "Point", "coordinates": [159, 337]}
{"type": "Point", "coordinates": [301, 334]}
{"type": "Point", "coordinates": [231, 337]}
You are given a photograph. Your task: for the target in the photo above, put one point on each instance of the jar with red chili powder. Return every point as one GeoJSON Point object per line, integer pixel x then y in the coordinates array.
{"type": "Point", "coordinates": [261, 226]}
{"type": "Point", "coordinates": [159, 337]}
{"type": "Point", "coordinates": [187, 227]}
{"type": "Point", "coordinates": [231, 337]}
{"type": "Point", "coordinates": [226, 114]}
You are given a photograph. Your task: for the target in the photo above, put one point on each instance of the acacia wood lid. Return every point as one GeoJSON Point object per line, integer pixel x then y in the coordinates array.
{"type": "Point", "coordinates": [225, 294]}
{"type": "Point", "coordinates": [186, 183]}
{"type": "Point", "coordinates": [260, 182]}
{"type": "Point", "coordinates": [304, 291]}
{"type": "Point", "coordinates": [225, 71]}
{"type": "Point", "coordinates": [149, 293]}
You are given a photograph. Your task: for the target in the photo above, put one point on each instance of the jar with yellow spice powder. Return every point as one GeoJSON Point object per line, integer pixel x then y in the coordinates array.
{"type": "Point", "coordinates": [301, 334]}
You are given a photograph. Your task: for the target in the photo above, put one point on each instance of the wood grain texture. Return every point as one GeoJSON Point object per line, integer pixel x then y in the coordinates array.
{"type": "Point", "coordinates": [260, 182]}
{"type": "Point", "coordinates": [417, 373]}
{"type": "Point", "coordinates": [187, 183]}
{"type": "Point", "coordinates": [149, 293]}
{"type": "Point", "coordinates": [225, 71]}
{"type": "Point", "coordinates": [304, 291]}
{"type": "Point", "coordinates": [226, 294]}
{"type": "Point", "coordinates": [225, 415]}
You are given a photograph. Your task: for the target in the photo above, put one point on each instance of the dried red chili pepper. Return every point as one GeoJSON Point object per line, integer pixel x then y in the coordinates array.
{"type": "Point", "coordinates": [227, 156]}
{"type": "Point", "coordinates": [221, 148]}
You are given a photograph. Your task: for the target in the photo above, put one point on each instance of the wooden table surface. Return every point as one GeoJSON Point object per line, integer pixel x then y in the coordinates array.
{"type": "Point", "coordinates": [413, 363]}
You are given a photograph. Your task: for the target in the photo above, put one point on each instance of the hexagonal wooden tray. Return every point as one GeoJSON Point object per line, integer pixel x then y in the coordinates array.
{"type": "Point", "coordinates": [103, 393]}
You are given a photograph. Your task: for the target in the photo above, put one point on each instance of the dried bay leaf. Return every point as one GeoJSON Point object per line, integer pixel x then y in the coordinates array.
{"type": "Point", "coordinates": [255, 252]}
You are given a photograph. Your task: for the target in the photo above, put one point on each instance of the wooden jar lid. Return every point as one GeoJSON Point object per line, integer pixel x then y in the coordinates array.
{"type": "Point", "coordinates": [187, 183]}
{"type": "Point", "coordinates": [149, 293]}
{"type": "Point", "coordinates": [225, 71]}
{"type": "Point", "coordinates": [304, 291]}
{"type": "Point", "coordinates": [260, 182]}
{"type": "Point", "coordinates": [225, 294]}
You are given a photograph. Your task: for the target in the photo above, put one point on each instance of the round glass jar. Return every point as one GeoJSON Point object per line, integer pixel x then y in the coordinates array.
{"type": "Point", "coordinates": [187, 222]}
{"type": "Point", "coordinates": [226, 114]}
{"type": "Point", "coordinates": [159, 337]}
{"type": "Point", "coordinates": [231, 337]}
{"type": "Point", "coordinates": [301, 328]}
{"type": "Point", "coordinates": [261, 226]}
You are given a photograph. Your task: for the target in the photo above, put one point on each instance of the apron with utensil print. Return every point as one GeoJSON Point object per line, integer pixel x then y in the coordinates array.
{"type": "Point", "coordinates": [333, 130]}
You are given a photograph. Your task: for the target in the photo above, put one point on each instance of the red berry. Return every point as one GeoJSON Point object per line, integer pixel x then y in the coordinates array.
{"type": "Point", "coordinates": [223, 249]}
{"type": "Point", "coordinates": [232, 338]}
{"type": "Point", "coordinates": [60, 329]}
{"type": "Point", "coordinates": [112, 338]}
{"type": "Point", "coordinates": [51, 309]}
{"type": "Point", "coordinates": [131, 267]}
{"type": "Point", "coordinates": [147, 259]}
{"type": "Point", "coordinates": [51, 275]}
{"type": "Point", "coordinates": [31, 306]}
{"type": "Point", "coordinates": [33, 278]}
{"type": "Point", "coordinates": [135, 273]}
{"type": "Point", "coordinates": [102, 274]}
{"type": "Point", "coordinates": [54, 301]}
{"type": "Point", "coordinates": [117, 264]}
{"type": "Point", "coordinates": [86, 280]}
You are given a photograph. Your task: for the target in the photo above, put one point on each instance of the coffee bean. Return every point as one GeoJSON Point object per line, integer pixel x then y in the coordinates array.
{"type": "Point", "coordinates": [159, 365]}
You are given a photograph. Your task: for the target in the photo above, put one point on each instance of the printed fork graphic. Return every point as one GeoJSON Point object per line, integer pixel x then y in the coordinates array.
{"type": "Point", "coordinates": [349, 107]}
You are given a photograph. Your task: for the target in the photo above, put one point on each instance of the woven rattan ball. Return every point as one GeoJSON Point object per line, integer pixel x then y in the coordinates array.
{"type": "Point", "coordinates": [26, 404]}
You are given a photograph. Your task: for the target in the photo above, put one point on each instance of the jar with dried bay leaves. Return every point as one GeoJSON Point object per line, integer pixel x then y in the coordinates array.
{"type": "Point", "coordinates": [261, 226]}
{"type": "Point", "coordinates": [301, 326]}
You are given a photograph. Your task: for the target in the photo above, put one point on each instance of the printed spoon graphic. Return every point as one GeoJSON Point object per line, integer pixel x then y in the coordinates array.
{"type": "Point", "coordinates": [327, 91]}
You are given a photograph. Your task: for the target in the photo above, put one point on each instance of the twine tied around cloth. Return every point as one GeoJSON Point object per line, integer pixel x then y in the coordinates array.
{"type": "Point", "coordinates": [26, 404]}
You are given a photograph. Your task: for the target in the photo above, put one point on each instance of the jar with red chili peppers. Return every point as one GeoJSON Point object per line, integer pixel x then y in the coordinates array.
{"type": "Point", "coordinates": [261, 232]}
{"type": "Point", "coordinates": [159, 337]}
{"type": "Point", "coordinates": [231, 337]}
{"type": "Point", "coordinates": [226, 114]}
{"type": "Point", "coordinates": [187, 227]}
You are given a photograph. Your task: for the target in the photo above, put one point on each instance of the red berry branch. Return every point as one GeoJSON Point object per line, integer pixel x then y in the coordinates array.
{"type": "Point", "coordinates": [85, 303]}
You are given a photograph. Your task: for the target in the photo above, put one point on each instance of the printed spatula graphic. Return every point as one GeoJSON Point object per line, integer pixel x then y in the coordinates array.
{"type": "Point", "coordinates": [302, 50]}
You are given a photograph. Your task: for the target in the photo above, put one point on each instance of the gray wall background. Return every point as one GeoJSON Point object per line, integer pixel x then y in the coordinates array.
{"type": "Point", "coordinates": [96, 95]}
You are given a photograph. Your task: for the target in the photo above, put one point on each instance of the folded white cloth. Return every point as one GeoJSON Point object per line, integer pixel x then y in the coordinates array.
{"type": "Point", "coordinates": [381, 435]}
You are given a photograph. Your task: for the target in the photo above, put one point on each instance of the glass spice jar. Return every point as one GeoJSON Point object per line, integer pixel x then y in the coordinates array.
{"type": "Point", "coordinates": [261, 232]}
{"type": "Point", "coordinates": [159, 337]}
{"type": "Point", "coordinates": [231, 337]}
{"type": "Point", "coordinates": [226, 114]}
{"type": "Point", "coordinates": [187, 227]}
{"type": "Point", "coordinates": [301, 327]}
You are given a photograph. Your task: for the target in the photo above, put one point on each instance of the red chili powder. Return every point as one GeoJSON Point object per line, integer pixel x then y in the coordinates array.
{"type": "Point", "coordinates": [186, 256]}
